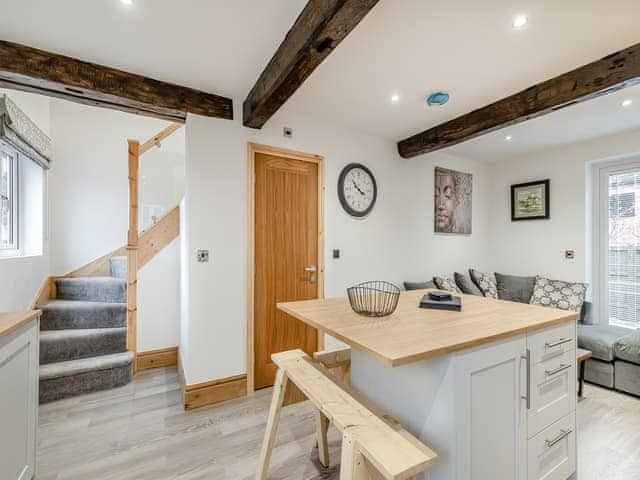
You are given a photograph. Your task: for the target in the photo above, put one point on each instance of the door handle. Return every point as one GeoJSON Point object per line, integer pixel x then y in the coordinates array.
{"type": "Point", "coordinates": [311, 270]}
{"type": "Point", "coordinates": [527, 358]}
{"type": "Point", "coordinates": [559, 369]}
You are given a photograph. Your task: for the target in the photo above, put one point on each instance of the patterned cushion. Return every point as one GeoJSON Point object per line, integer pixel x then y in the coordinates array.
{"type": "Point", "coordinates": [485, 283]}
{"type": "Point", "coordinates": [558, 294]}
{"type": "Point", "coordinates": [446, 284]}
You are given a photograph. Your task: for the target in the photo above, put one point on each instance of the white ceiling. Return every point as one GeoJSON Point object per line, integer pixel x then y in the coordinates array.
{"type": "Point", "coordinates": [219, 46]}
{"type": "Point", "coordinates": [596, 118]}
{"type": "Point", "coordinates": [409, 47]}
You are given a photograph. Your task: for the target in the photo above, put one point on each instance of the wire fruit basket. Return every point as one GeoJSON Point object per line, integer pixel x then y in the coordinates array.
{"type": "Point", "coordinates": [374, 299]}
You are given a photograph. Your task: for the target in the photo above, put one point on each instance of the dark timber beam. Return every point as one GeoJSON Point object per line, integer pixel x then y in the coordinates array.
{"type": "Point", "coordinates": [321, 26]}
{"type": "Point", "coordinates": [32, 70]}
{"type": "Point", "coordinates": [614, 72]}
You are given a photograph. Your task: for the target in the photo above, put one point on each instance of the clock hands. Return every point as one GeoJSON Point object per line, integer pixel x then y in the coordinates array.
{"type": "Point", "coordinates": [357, 187]}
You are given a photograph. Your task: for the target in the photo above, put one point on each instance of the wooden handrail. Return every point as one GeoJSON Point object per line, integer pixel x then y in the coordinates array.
{"type": "Point", "coordinates": [156, 139]}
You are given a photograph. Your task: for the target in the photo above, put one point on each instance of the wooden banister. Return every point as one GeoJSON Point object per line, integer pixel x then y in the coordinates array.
{"type": "Point", "coordinates": [156, 139]}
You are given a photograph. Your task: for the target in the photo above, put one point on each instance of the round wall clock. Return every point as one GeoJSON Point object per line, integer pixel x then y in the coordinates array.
{"type": "Point", "coordinates": [357, 190]}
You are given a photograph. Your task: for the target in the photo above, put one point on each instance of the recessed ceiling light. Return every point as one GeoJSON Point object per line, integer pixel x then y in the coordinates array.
{"type": "Point", "coordinates": [395, 98]}
{"type": "Point", "coordinates": [520, 21]}
{"type": "Point", "coordinates": [508, 138]}
{"type": "Point", "coordinates": [128, 3]}
{"type": "Point", "coordinates": [627, 103]}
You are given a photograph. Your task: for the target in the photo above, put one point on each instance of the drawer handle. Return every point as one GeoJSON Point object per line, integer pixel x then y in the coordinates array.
{"type": "Point", "coordinates": [559, 369]}
{"type": "Point", "coordinates": [561, 435]}
{"type": "Point", "coordinates": [562, 341]}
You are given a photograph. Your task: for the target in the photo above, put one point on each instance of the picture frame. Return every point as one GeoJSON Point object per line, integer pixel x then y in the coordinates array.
{"type": "Point", "coordinates": [530, 201]}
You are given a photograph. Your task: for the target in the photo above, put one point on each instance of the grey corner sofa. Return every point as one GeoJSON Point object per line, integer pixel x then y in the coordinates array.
{"type": "Point", "coordinates": [615, 361]}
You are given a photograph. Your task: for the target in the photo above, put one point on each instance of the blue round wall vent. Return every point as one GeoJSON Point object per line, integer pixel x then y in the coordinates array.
{"type": "Point", "coordinates": [437, 98]}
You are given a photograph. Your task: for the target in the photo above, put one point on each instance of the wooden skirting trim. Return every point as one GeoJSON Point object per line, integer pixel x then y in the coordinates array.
{"type": "Point", "coordinates": [164, 357]}
{"type": "Point", "coordinates": [216, 391]}
{"type": "Point", "coordinates": [44, 294]}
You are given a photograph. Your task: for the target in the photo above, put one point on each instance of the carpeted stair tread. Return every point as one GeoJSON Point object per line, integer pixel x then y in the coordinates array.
{"type": "Point", "coordinates": [75, 377]}
{"type": "Point", "coordinates": [92, 289]}
{"type": "Point", "coordinates": [84, 365]}
{"type": "Point", "coordinates": [65, 345]}
{"type": "Point", "coordinates": [118, 267]}
{"type": "Point", "coordinates": [71, 314]}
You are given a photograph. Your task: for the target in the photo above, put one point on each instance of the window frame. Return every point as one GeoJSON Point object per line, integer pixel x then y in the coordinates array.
{"type": "Point", "coordinates": [14, 247]}
{"type": "Point", "coordinates": [601, 234]}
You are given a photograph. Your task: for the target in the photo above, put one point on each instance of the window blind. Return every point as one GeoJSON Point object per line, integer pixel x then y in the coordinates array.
{"type": "Point", "coordinates": [623, 275]}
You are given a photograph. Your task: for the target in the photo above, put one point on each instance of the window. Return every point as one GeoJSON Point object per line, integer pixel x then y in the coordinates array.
{"type": "Point", "coordinates": [8, 199]}
{"type": "Point", "coordinates": [623, 248]}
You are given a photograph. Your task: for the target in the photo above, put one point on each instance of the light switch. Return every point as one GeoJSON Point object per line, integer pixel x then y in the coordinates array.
{"type": "Point", "coordinates": [336, 253]}
{"type": "Point", "coordinates": [569, 254]}
{"type": "Point", "coordinates": [203, 256]}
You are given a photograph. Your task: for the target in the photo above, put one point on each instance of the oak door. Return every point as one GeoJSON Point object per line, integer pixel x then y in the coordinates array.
{"type": "Point", "coordinates": [286, 257]}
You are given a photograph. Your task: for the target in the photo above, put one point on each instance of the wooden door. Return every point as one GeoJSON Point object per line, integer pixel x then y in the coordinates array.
{"type": "Point", "coordinates": [286, 250]}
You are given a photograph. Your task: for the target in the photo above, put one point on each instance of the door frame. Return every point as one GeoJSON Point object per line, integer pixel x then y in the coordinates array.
{"type": "Point", "coordinates": [253, 149]}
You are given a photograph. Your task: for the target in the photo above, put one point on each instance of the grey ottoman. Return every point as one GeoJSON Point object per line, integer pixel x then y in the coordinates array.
{"type": "Point", "coordinates": [600, 339]}
{"type": "Point", "coordinates": [627, 366]}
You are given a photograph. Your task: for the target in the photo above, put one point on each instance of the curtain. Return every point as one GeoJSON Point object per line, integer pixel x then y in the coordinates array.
{"type": "Point", "coordinates": [19, 131]}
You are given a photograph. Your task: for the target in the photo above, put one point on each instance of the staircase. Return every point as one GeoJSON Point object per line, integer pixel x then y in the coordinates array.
{"type": "Point", "coordinates": [83, 335]}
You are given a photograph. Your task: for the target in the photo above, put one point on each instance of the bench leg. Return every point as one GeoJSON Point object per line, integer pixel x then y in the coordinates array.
{"type": "Point", "coordinates": [279, 389]}
{"type": "Point", "coordinates": [352, 463]}
{"type": "Point", "coordinates": [581, 384]}
{"type": "Point", "coordinates": [322, 426]}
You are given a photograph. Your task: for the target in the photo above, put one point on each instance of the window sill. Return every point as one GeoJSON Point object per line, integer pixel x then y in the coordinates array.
{"type": "Point", "coordinates": [16, 255]}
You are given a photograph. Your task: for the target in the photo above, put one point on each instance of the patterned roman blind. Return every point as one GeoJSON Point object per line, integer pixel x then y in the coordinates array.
{"type": "Point", "coordinates": [19, 131]}
{"type": "Point", "coordinates": [623, 275]}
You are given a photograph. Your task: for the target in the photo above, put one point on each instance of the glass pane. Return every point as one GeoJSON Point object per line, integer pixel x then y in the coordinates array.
{"type": "Point", "coordinates": [623, 277]}
{"type": "Point", "coordinates": [6, 180]}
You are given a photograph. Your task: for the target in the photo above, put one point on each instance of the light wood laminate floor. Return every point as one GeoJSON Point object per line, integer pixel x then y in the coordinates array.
{"type": "Point", "coordinates": [141, 432]}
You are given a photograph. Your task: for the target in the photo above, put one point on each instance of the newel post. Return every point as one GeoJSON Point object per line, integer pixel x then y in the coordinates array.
{"type": "Point", "coordinates": [132, 247]}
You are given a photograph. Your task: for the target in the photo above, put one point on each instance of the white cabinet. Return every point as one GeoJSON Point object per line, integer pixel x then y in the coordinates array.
{"type": "Point", "coordinates": [491, 420]}
{"type": "Point", "coordinates": [515, 408]}
{"type": "Point", "coordinates": [19, 402]}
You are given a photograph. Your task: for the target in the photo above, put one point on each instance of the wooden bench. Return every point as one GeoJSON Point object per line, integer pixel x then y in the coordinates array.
{"type": "Point", "coordinates": [372, 446]}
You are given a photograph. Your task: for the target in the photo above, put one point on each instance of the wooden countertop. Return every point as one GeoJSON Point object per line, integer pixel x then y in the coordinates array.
{"type": "Point", "coordinates": [412, 333]}
{"type": "Point", "coordinates": [12, 321]}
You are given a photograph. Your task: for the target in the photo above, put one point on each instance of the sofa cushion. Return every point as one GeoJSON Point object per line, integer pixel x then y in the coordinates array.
{"type": "Point", "coordinates": [419, 285]}
{"type": "Point", "coordinates": [600, 339]}
{"type": "Point", "coordinates": [627, 348]}
{"type": "Point", "coordinates": [465, 284]}
{"type": "Point", "coordinates": [586, 314]}
{"type": "Point", "coordinates": [446, 284]}
{"type": "Point", "coordinates": [558, 294]}
{"type": "Point", "coordinates": [485, 283]}
{"type": "Point", "coordinates": [514, 288]}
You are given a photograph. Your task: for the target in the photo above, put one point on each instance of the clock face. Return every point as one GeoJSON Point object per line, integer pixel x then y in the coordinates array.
{"type": "Point", "coordinates": [357, 190]}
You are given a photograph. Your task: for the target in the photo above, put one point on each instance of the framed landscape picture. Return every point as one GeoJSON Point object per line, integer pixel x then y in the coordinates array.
{"type": "Point", "coordinates": [530, 201]}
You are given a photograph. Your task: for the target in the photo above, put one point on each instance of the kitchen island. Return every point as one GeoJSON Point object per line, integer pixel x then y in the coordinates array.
{"type": "Point", "coordinates": [492, 389]}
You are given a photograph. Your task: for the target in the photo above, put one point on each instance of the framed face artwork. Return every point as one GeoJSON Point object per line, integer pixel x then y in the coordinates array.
{"type": "Point", "coordinates": [530, 201]}
{"type": "Point", "coordinates": [452, 201]}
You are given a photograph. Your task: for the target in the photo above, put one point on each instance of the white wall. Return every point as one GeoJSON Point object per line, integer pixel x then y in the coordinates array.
{"type": "Point", "coordinates": [394, 243]}
{"type": "Point", "coordinates": [537, 246]}
{"type": "Point", "coordinates": [89, 204]}
{"type": "Point", "coordinates": [21, 277]}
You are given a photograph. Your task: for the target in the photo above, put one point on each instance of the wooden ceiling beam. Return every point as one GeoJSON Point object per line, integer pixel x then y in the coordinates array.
{"type": "Point", "coordinates": [609, 74]}
{"type": "Point", "coordinates": [37, 71]}
{"type": "Point", "coordinates": [321, 26]}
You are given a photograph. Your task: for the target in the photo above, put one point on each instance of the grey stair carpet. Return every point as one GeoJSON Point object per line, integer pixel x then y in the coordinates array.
{"type": "Point", "coordinates": [64, 345]}
{"type": "Point", "coordinates": [83, 335]}
{"type": "Point", "coordinates": [118, 267]}
{"type": "Point", "coordinates": [92, 289]}
{"type": "Point", "coordinates": [68, 314]}
{"type": "Point", "coordinates": [74, 377]}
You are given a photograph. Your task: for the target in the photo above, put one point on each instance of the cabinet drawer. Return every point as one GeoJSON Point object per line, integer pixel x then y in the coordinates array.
{"type": "Point", "coordinates": [551, 455]}
{"type": "Point", "coordinates": [552, 342]}
{"type": "Point", "coordinates": [553, 391]}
